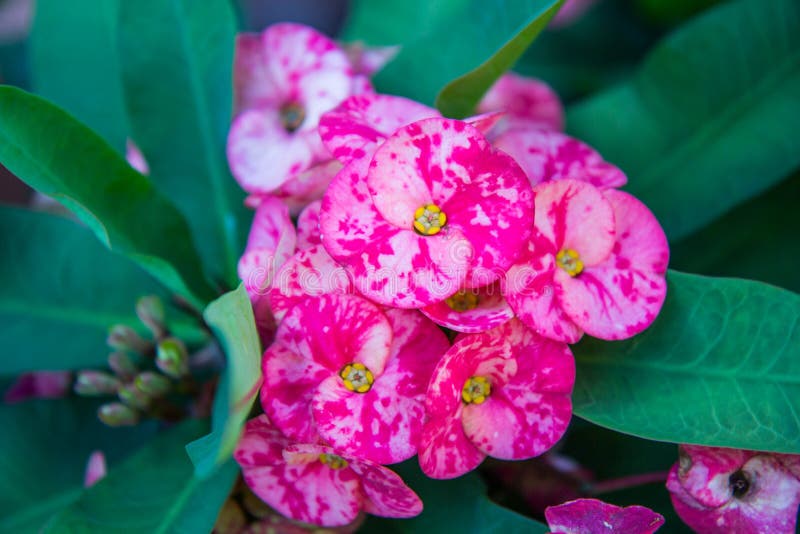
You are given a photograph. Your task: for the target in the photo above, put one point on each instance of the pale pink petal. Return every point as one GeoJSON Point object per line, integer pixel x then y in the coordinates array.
{"type": "Point", "coordinates": [486, 122]}
{"type": "Point", "coordinates": [622, 296]}
{"type": "Point", "coordinates": [260, 444]}
{"type": "Point", "coordinates": [308, 186]}
{"type": "Point", "coordinates": [95, 469]}
{"type": "Point", "coordinates": [444, 449]}
{"type": "Point", "coordinates": [308, 231]}
{"type": "Point", "coordinates": [584, 516]}
{"type": "Point", "coordinates": [355, 128]}
{"type": "Point", "coordinates": [309, 273]}
{"type": "Point", "coordinates": [546, 156]}
{"type": "Point", "coordinates": [135, 158]}
{"type": "Point", "coordinates": [385, 493]}
{"type": "Point", "coordinates": [524, 99]}
{"type": "Point", "coordinates": [39, 385]}
{"type": "Point", "coordinates": [251, 86]}
{"type": "Point", "coordinates": [368, 60]}
{"type": "Point", "coordinates": [492, 310]}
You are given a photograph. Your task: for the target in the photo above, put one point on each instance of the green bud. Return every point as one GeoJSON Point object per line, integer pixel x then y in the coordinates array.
{"type": "Point", "coordinates": [122, 365]}
{"type": "Point", "coordinates": [150, 311]}
{"type": "Point", "coordinates": [153, 384]}
{"type": "Point", "coordinates": [172, 358]}
{"type": "Point", "coordinates": [95, 383]}
{"type": "Point", "coordinates": [133, 396]}
{"type": "Point", "coordinates": [125, 338]}
{"type": "Point", "coordinates": [117, 414]}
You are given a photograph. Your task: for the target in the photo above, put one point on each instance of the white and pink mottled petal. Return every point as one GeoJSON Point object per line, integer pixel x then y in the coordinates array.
{"type": "Point", "coordinates": [491, 311]}
{"type": "Point", "coordinates": [386, 495]}
{"type": "Point", "coordinates": [261, 444]}
{"type": "Point", "coordinates": [309, 186]}
{"type": "Point", "coordinates": [272, 228]}
{"type": "Point", "coordinates": [444, 449]}
{"type": "Point", "coordinates": [526, 100]}
{"type": "Point", "coordinates": [308, 231]}
{"type": "Point", "coordinates": [584, 515]}
{"type": "Point", "coordinates": [251, 84]}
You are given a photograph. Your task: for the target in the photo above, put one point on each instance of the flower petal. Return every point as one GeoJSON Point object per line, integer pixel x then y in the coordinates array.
{"type": "Point", "coordinates": [261, 444]}
{"type": "Point", "coordinates": [251, 87]}
{"type": "Point", "coordinates": [585, 515]}
{"type": "Point", "coordinates": [444, 449]}
{"type": "Point", "coordinates": [492, 310]}
{"type": "Point", "coordinates": [528, 100]}
{"type": "Point", "coordinates": [308, 186]}
{"type": "Point", "coordinates": [308, 232]}
{"type": "Point", "coordinates": [386, 495]}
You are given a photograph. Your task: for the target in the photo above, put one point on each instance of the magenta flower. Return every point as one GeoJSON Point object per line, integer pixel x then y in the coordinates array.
{"type": "Point", "coordinates": [587, 516]}
{"type": "Point", "coordinates": [436, 209]}
{"type": "Point", "coordinates": [505, 393]}
{"type": "Point", "coordinates": [719, 491]}
{"type": "Point", "coordinates": [315, 483]}
{"type": "Point", "coordinates": [284, 79]}
{"type": "Point", "coordinates": [596, 264]}
{"type": "Point", "coordinates": [527, 102]}
{"type": "Point", "coordinates": [345, 371]}
{"type": "Point", "coordinates": [471, 310]}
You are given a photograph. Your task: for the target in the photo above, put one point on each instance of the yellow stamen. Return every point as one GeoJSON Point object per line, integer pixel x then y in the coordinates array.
{"type": "Point", "coordinates": [462, 301]}
{"type": "Point", "coordinates": [429, 219]}
{"type": "Point", "coordinates": [570, 261]}
{"type": "Point", "coordinates": [357, 377]}
{"type": "Point", "coordinates": [476, 389]}
{"type": "Point", "coordinates": [332, 461]}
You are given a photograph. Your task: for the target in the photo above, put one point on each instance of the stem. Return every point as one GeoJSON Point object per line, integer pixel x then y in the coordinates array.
{"type": "Point", "coordinates": [617, 484]}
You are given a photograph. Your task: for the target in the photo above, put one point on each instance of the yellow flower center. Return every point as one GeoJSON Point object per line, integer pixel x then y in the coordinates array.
{"type": "Point", "coordinates": [292, 116]}
{"type": "Point", "coordinates": [357, 377]}
{"type": "Point", "coordinates": [476, 389]}
{"type": "Point", "coordinates": [429, 219]}
{"type": "Point", "coordinates": [332, 461]}
{"type": "Point", "coordinates": [462, 301]}
{"type": "Point", "coordinates": [570, 261]}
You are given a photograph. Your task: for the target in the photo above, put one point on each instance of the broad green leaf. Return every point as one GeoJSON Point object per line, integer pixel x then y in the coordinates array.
{"type": "Point", "coordinates": [177, 62]}
{"type": "Point", "coordinates": [153, 491]}
{"type": "Point", "coordinates": [719, 367]}
{"type": "Point", "coordinates": [708, 121]}
{"type": "Point", "coordinates": [74, 63]}
{"type": "Point", "coordinates": [458, 505]}
{"type": "Point", "coordinates": [43, 456]}
{"type": "Point", "coordinates": [769, 251]}
{"type": "Point", "coordinates": [60, 292]}
{"type": "Point", "coordinates": [231, 319]}
{"type": "Point", "coordinates": [57, 155]}
{"type": "Point", "coordinates": [466, 46]}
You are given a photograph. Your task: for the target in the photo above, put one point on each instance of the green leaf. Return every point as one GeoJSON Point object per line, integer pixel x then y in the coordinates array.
{"type": "Point", "coordinates": [43, 456]}
{"type": "Point", "coordinates": [490, 38]}
{"type": "Point", "coordinates": [458, 505]}
{"type": "Point", "coordinates": [708, 121]}
{"type": "Point", "coordinates": [231, 319]}
{"type": "Point", "coordinates": [57, 155]}
{"type": "Point", "coordinates": [153, 491]}
{"type": "Point", "coordinates": [60, 292]}
{"type": "Point", "coordinates": [74, 63]}
{"type": "Point", "coordinates": [718, 367]}
{"type": "Point", "coordinates": [177, 63]}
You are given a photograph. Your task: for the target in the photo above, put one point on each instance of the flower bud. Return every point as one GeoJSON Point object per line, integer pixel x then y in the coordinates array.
{"type": "Point", "coordinates": [153, 384]}
{"type": "Point", "coordinates": [172, 358]}
{"type": "Point", "coordinates": [150, 311]}
{"type": "Point", "coordinates": [117, 414]}
{"type": "Point", "coordinates": [125, 338]}
{"type": "Point", "coordinates": [122, 365]}
{"type": "Point", "coordinates": [95, 383]}
{"type": "Point", "coordinates": [133, 396]}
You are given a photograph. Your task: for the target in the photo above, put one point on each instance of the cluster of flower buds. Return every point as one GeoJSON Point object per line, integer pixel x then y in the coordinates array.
{"type": "Point", "coordinates": [499, 229]}
{"type": "Point", "coordinates": [142, 372]}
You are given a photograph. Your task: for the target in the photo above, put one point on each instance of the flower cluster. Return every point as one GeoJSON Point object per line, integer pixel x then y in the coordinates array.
{"type": "Point", "coordinates": [498, 228]}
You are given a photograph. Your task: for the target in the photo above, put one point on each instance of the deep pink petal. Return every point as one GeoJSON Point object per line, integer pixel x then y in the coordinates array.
{"type": "Point", "coordinates": [623, 295]}
{"type": "Point", "coordinates": [492, 310]}
{"type": "Point", "coordinates": [308, 232]}
{"type": "Point", "coordinates": [444, 449]}
{"type": "Point", "coordinates": [261, 444]}
{"type": "Point", "coordinates": [525, 100]}
{"type": "Point", "coordinates": [355, 128]}
{"type": "Point", "coordinates": [251, 85]}
{"type": "Point", "coordinates": [309, 273]}
{"type": "Point", "coordinates": [546, 156]}
{"type": "Point", "coordinates": [584, 516]}
{"type": "Point", "coordinates": [386, 495]}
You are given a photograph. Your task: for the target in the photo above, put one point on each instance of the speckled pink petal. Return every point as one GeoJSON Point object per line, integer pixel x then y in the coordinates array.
{"type": "Point", "coordinates": [334, 330]}
{"type": "Point", "coordinates": [575, 215]}
{"type": "Point", "coordinates": [290, 383]}
{"type": "Point", "coordinates": [444, 449]}
{"type": "Point", "coordinates": [525, 100]}
{"type": "Point", "coordinates": [383, 425]}
{"type": "Point", "coordinates": [705, 472]}
{"type": "Point", "coordinates": [39, 385]}
{"type": "Point", "coordinates": [590, 516]}
{"type": "Point", "coordinates": [531, 292]}
{"type": "Point", "coordinates": [308, 232]}
{"type": "Point", "coordinates": [251, 86]}
{"type": "Point", "coordinates": [546, 156]}
{"type": "Point", "coordinates": [386, 495]}
{"type": "Point", "coordinates": [623, 295]}
{"type": "Point", "coordinates": [307, 187]}
{"type": "Point", "coordinates": [528, 414]}
{"type": "Point", "coordinates": [261, 444]}
{"type": "Point", "coordinates": [309, 273]}
{"type": "Point", "coordinates": [355, 128]}
{"type": "Point", "coordinates": [492, 310]}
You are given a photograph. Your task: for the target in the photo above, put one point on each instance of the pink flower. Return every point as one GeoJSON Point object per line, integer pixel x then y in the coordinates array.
{"type": "Point", "coordinates": [95, 469]}
{"type": "Point", "coordinates": [39, 385]}
{"type": "Point", "coordinates": [471, 310]}
{"type": "Point", "coordinates": [135, 158]}
{"type": "Point", "coordinates": [527, 102]}
{"type": "Point", "coordinates": [587, 516]}
{"type": "Point", "coordinates": [596, 264]}
{"type": "Point", "coordinates": [315, 483]}
{"type": "Point", "coordinates": [435, 210]}
{"type": "Point", "coordinates": [284, 79]}
{"type": "Point", "coordinates": [345, 371]}
{"type": "Point", "coordinates": [504, 393]}
{"type": "Point", "coordinates": [570, 12]}
{"type": "Point", "coordinates": [718, 491]}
